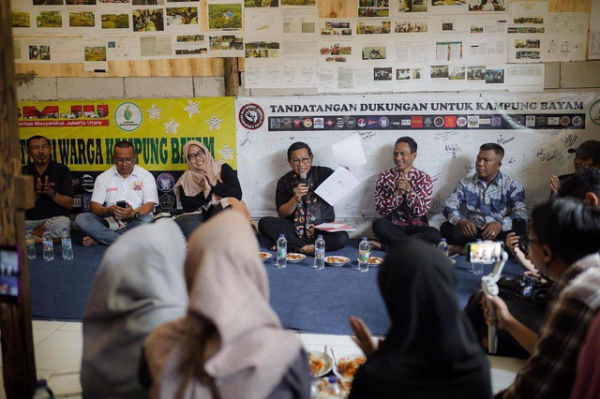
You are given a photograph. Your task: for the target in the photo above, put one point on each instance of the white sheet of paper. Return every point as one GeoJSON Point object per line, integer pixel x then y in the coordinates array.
{"type": "Point", "coordinates": [349, 152]}
{"type": "Point", "coordinates": [337, 186]}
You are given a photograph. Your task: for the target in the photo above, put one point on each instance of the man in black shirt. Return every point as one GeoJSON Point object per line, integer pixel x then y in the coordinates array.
{"type": "Point", "coordinates": [299, 208]}
{"type": "Point", "coordinates": [53, 187]}
{"type": "Point", "coordinates": [586, 155]}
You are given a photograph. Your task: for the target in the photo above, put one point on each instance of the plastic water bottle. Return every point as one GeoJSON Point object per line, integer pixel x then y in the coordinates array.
{"type": "Point", "coordinates": [48, 246]}
{"type": "Point", "coordinates": [319, 253]}
{"type": "Point", "coordinates": [364, 252]}
{"type": "Point", "coordinates": [67, 247]}
{"type": "Point", "coordinates": [281, 260]}
{"type": "Point", "coordinates": [443, 246]}
{"type": "Point", "coordinates": [30, 241]}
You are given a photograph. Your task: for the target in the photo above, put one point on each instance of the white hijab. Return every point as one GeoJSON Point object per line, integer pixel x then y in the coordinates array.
{"type": "Point", "coordinates": [138, 286]}
{"type": "Point", "coordinates": [230, 293]}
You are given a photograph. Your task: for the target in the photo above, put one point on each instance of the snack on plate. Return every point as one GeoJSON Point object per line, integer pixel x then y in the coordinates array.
{"type": "Point", "coordinates": [264, 255]}
{"type": "Point", "coordinates": [347, 366]}
{"type": "Point", "coordinates": [337, 260]}
{"type": "Point", "coordinates": [375, 260]}
{"type": "Point", "coordinates": [345, 385]}
{"type": "Point", "coordinates": [322, 384]}
{"type": "Point", "coordinates": [320, 363]}
{"type": "Point", "coordinates": [294, 257]}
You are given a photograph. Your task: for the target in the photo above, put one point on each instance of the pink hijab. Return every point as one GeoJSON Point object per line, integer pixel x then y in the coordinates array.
{"type": "Point", "coordinates": [193, 180]}
{"type": "Point", "coordinates": [230, 341]}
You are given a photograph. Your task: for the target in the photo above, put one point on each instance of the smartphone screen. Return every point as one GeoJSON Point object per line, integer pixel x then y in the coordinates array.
{"type": "Point", "coordinates": [10, 273]}
{"type": "Point", "coordinates": [484, 252]}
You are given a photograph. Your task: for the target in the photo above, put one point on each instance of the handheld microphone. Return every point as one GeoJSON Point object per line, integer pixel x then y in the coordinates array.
{"type": "Point", "coordinates": [304, 180]}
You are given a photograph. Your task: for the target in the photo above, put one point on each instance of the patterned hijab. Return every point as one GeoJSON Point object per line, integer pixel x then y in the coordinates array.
{"type": "Point", "coordinates": [193, 180]}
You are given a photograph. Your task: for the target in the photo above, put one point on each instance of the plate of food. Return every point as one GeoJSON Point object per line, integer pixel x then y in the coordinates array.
{"type": "Point", "coordinates": [322, 385]}
{"type": "Point", "coordinates": [347, 366]}
{"type": "Point", "coordinates": [320, 363]}
{"type": "Point", "coordinates": [375, 261]}
{"type": "Point", "coordinates": [295, 257]}
{"type": "Point", "coordinates": [336, 260]}
{"type": "Point", "coordinates": [265, 256]}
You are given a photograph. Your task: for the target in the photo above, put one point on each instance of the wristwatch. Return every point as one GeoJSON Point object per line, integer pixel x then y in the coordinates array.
{"type": "Point", "coordinates": [136, 215]}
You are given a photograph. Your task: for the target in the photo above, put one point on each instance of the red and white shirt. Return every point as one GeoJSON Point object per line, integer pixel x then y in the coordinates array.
{"type": "Point", "coordinates": [406, 209]}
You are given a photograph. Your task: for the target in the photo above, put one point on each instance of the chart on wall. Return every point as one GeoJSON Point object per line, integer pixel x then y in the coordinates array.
{"type": "Point", "coordinates": [388, 45]}
{"type": "Point", "coordinates": [535, 130]}
{"type": "Point", "coordinates": [83, 133]}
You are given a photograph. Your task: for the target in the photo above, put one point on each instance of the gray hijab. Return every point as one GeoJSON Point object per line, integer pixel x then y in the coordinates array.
{"type": "Point", "coordinates": [138, 286]}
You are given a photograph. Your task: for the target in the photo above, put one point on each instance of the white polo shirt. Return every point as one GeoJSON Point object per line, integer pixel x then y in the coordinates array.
{"type": "Point", "coordinates": [137, 189]}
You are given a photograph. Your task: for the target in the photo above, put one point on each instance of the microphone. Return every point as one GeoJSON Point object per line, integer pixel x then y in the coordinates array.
{"type": "Point", "coordinates": [304, 180]}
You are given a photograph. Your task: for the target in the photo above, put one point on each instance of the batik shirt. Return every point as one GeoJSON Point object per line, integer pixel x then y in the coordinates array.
{"type": "Point", "coordinates": [502, 200]}
{"type": "Point", "coordinates": [550, 371]}
{"type": "Point", "coordinates": [405, 209]}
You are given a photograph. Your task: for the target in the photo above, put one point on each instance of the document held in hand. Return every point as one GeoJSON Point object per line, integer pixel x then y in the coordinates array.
{"type": "Point", "coordinates": [337, 186]}
{"type": "Point", "coordinates": [331, 227]}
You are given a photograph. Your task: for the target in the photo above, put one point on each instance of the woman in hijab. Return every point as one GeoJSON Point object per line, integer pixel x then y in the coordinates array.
{"type": "Point", "coordinates": [230, 345]}
{"type": "Point", "coordinates": [206, 188]}
{"type": "Point", "coordinates": [138, 286]}
{"type": "Point", "coordinates": [430, 350]}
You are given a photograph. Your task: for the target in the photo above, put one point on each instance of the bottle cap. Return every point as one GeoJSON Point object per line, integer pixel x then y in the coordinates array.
{"type": "Point", "coordinates": [332, 379]}
{"type": "Point", "coordinates": [281, 235]}
{"type": "Point", "coordinates": [320, 236]}
{"type": "Point", "coordinates": [443, 239]}
{"type": "Point", "coordinates": [364, 238]}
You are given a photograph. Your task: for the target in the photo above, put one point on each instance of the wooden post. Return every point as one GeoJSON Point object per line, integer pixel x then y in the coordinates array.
{"type": "Point", "coordinates": [232, 77]}
{"type": "Point", "coordinates": [15, 319]}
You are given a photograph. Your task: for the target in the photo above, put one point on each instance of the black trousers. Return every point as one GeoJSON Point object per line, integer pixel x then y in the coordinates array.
{"type": "Point", "coordinates": [272, 227]}
{"type": "Point", "coordinates": [454, 235]}
{"type": "Point", "coordinates": [189, 222]}
{"type": "Point", "coordinates": [388, 232]}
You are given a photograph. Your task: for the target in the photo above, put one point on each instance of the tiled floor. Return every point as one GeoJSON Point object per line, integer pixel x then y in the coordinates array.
{"type": "Point", "coordinates": [58, 347]}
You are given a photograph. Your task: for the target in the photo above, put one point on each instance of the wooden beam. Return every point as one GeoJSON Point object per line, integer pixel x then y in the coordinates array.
{"type": "Point", "coordinates": [16, 336]}
{"type": "Point", "coordinates": [24, 194]}
{"type": "Point", "coordinates": [232, 77]}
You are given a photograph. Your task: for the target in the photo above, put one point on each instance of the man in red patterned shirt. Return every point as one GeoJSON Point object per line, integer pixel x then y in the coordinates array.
{"type": "Point", "coordinates": [403, 197]}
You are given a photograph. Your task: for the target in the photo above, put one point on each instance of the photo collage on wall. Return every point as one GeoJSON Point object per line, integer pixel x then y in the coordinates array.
{"type": "Point", "coordinates": [397, 45]}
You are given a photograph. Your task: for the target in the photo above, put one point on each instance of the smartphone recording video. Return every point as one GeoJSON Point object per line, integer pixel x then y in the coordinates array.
{"type": "Point", "coordinates": [10, 272]}
{"type": "Point", "coordinates": [484, 252]}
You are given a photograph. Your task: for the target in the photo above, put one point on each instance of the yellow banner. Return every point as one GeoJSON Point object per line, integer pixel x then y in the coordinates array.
{"type": "Point", "coordinates": [84, 132]}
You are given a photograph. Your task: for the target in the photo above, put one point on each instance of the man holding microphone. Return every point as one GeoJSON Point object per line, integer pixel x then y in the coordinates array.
{"type": "Point", "coordinates": [299, 208]}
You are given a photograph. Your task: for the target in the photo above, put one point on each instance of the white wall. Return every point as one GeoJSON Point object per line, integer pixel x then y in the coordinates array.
{"type": "Point", "coordinates": [569, 77]}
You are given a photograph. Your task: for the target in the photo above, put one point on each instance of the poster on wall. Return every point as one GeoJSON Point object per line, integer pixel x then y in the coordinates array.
{"type": "Point", "coordinates": [83, 133]}
{"type": "Point", "coordinates": [535, 129]}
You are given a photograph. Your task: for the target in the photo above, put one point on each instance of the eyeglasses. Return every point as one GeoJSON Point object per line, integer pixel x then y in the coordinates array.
{"type": "Point", "coordinates": [125, 161]}
{"type": "Point", "coordinates": [304, 161]}
{"type": "Point", "coordinates": [195, 155]}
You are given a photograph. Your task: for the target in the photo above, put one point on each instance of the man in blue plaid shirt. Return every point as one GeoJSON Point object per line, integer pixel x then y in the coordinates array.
{"type": "Point", "coordinates": [484, 205]}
